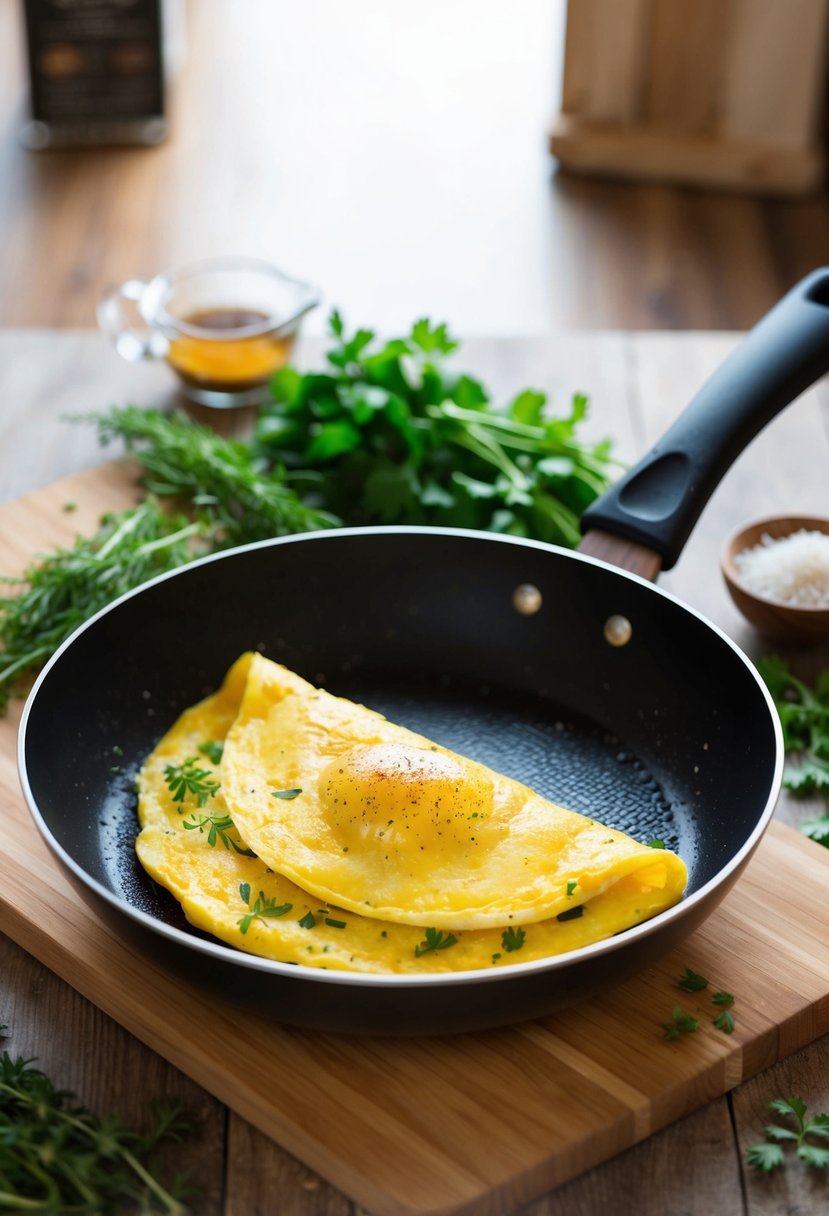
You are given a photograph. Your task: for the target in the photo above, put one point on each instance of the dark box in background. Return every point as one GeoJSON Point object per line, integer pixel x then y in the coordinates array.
{"type": "Point", "coordinates": [96, 72]}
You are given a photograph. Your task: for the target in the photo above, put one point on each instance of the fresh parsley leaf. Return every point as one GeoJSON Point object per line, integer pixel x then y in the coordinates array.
{"type": "Point", "coordinates": [571, 886]}
{"type": "Point", "coordinates": [513, 939]}
{"type": "Point", "coordinates": [435, 939]}
{"type": "Point", "coordinates": [690, 981]}
{"type": "Point", "coordinates": [681, 1023]}
{"type": "Point", "coordinates": [725, 1021]}
{"type": "Point", "coordinates": [765, 1157]}
{"type": "Point", "coordinates": [816, 829]}
{"type": "Point", "coordinates": [308, 921]}
{"type": "Point", "coordinates": [722, 998]}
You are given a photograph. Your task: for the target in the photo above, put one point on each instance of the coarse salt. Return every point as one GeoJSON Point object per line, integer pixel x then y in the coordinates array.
{"type": "Point", "coordinates": [791, 569]}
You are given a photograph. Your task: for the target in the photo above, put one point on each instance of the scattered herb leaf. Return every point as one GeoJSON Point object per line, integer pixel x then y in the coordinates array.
{"type": "Point", "coordinates": [681, 1023]}
{"type": "Point", "coordinates": [218, 828]}
{"type": "Point", "coordinates": [722, 998]}
{"type": "Point", "coordinates": [571, 913]}
{"type": "Point", "coordinates": [512, 939]}
{"type": "Point", "coordinates": [435, 939]}
{"type": "Point", "coordinates": [725, 1021]}
{"type": "Point", "coordinates": [286, 794]}
{"type": "Point", "coordinates": [690, 981]}
{"type": "Point", "coordinates": [188, 780]}
{"type": "Point", "coordinates": [262, 908]}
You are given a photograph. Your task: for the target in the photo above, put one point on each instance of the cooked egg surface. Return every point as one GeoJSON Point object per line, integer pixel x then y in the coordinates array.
{"type": "Point", "coordinates": [237, 898]}
{"type": "Point", "coordinates": [372, 817]}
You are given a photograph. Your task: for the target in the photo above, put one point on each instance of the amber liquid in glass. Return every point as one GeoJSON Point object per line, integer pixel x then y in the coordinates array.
{"type": "Point", "coordinates": [227, 363]}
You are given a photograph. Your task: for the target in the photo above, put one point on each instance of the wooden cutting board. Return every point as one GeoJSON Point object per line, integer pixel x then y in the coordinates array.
{"type": "Point", "coordinates": [465, 1124]}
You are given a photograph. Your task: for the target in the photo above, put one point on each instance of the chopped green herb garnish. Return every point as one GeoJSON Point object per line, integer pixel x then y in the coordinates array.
{"type": "Point", "coordinates": [722, 998]}
{"type": "Point", "coordinates": [571, 886]}
{"type": "Point", "coordinates": [571, 913]}
{"type": "Point", "coordinates": [286, 794]}
{"type": "Point", "coordinates": [262, 908]}
{"type": "Point", "coordinates": [690, 981]}
{"type": "Point", "coordinates": [187, 780]}
{"type": "Point", "coordinates": [335, 924]}
{"type": "Point", "coordinates": [213, 750]}
{"type": "Point", "coordinates": [218, 828]}
{"type": "Point", "coordinates": [725, 1021]}
{"type": "Point", "coordinates": [435, 939]}
{"type": "Point", "coordinates": [512, 939]}
{"type": "Point", "coordinates": [681, 1023]}
{"type": "Point", "coordinates": [307, 921]}
{"type": "Point", "coordinates": [656, 843]}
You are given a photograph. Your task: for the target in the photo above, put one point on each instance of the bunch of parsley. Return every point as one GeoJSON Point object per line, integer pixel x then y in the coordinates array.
{"type": "Point", "coordinates": [390, 433]}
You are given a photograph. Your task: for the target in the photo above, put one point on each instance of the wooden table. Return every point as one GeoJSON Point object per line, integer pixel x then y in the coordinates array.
{"type": "Point", "coordinates": [637, 383]}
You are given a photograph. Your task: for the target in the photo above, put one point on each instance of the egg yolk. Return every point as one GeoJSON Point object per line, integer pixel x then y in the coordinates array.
{"type": "Point", "coordinates": [403, 798]}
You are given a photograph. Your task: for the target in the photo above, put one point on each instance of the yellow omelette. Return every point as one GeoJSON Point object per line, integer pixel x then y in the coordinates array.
{"type": "Point", "coordinates": [278, 859]}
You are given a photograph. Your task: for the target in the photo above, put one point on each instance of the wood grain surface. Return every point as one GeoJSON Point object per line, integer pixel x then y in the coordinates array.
{"type": "Point", "coordinates": [637, 384]}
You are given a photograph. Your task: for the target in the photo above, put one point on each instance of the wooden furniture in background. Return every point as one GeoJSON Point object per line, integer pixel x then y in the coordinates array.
{"type": "Point", "coordinates": [304, 135]}
{"type": "Point", "coordinates": [718, 93]}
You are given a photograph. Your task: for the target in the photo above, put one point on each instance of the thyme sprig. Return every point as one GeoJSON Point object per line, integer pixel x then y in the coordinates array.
{"type": "Point", "coordinates": [224, 479]}
{"type": "Point", "coordinates": [62, 589]}
{"type": "Point", "coordinates": [58, 1157]}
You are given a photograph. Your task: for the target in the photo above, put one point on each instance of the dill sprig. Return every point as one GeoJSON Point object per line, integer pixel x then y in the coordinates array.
{"type": "Point", "coordinates": [222, 478]}
{"type": "Point", "coordinates": [56, 1156]}
{"type": "Point", "coordinates": [62, 589]}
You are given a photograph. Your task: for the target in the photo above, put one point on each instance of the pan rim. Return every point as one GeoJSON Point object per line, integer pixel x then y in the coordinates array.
{"type": "Point", "coordinates": [508, 971]}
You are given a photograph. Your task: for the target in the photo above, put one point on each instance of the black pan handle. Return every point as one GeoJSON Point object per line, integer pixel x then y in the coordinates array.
{"type": "Point", "coordinates": [658, 502]}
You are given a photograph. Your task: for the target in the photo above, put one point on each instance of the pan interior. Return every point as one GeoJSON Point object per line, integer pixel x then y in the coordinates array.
{"type": "Point", "coordinates": [666, 737]}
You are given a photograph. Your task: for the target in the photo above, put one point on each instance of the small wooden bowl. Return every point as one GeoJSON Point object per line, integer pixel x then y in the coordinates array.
{"type": "Point", "coordinates": [773, 618]}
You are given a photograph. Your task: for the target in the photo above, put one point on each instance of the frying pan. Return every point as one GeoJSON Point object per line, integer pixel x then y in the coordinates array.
{"type": "Point", "coordinates": [580, 679]}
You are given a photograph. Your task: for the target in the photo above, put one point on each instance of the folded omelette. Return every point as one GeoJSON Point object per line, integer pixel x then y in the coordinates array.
{"type": "Point", "coordinates": [305, 828]}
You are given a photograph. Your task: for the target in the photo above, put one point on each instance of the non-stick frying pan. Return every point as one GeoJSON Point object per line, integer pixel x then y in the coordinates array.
{"type": "Point", "coordinates": [587, 683]}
